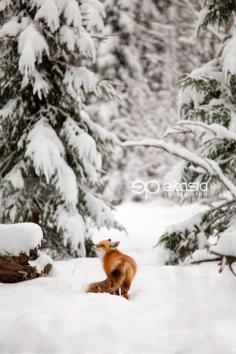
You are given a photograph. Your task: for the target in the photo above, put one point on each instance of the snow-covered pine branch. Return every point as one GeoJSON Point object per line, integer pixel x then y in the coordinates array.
{"type": "Point", "coordinates": [217, 130]}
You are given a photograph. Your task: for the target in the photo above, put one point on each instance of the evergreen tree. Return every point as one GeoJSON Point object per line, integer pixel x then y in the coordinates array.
{"type": "Point", "coordinates": [207, 109]}
{"type": "Point", "coordinates": [50, 148]}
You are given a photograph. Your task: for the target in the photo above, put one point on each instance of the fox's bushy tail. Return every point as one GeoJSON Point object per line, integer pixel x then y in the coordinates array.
{"type": "Point", "coordinates": [112, 283]}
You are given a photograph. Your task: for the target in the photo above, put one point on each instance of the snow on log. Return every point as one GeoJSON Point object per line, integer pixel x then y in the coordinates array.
{"type": "Point", "coordinates": [16, 239]}
{"type": "Point", "coordinates": [43, 264]}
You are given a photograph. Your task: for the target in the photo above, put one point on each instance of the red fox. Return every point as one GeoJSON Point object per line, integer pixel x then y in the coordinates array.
{"type": "Point", "coordinates": [119, 268]}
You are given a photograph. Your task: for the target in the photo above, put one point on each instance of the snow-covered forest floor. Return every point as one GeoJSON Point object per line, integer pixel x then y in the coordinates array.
{"type": "Point", "coordinates": [172, 309]}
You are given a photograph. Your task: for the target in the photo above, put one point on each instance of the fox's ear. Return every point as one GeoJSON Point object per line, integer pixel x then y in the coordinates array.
{"type": "Point", "coordinates": [115, 244]}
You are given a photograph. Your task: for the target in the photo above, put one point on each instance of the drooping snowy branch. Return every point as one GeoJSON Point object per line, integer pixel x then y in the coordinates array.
{"type": "Point", "coordinates": [208, 165]}
{"type": "Point", "coordinates": [73, 227]}
{"type": "Point", "coordinates": [217, 130]}
{"type": "Point", "coordinates": [48, 157]}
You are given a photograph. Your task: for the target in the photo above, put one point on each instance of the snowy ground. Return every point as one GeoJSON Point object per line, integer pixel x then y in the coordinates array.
{"type": "Point", "coordinates": [185, 310]}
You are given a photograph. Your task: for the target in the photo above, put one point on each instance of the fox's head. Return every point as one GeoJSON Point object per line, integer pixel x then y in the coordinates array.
{"type": "Point", "coordinates": [105, 246]}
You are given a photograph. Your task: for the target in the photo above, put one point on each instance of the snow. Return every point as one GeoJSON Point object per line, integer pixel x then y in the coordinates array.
{"type": "Point", "coordinates": [98, 130]}
{"type": "Point", "coordinates": [87, 147]}
{"type": "Point", "coordinates": [186, 224]}
{"type": "Point", "coordinates": [72, 224]}
{"type": "Point", "coordinates": [16, 178]}
{"type": "Point", "coordinates": [84, 41]}
{"type": "Point", "coordinates": [172, 309]}
{"type": "Point", "coordinates": [99, 211]}
{"type": "Point", "coordinates": [31, 46]}
{"type": "Point", "coordinates": [10, 28]}
{"type": "Point", "coordinates": [232, 125]}
{"type": "Point", "coordinates": [46, 151]}
{"type": "Point", "coordinates": [78, 79]}
{"type": "Point", "coordinates": [41, 86]}
{"type": "Point", "coordinates": [199, 256]}
{"type": "Point", "coordinates": [41, 262]}
{"type": "Point", "coordinates": [202, 17]}
{"type": "Point", "coordinates": [19, 238]}
{"type": "Point", "coordinates": [66, 183]}
{"type": "Point", "coordinates": [68, 37]}
{"type": "Point", "coordinates": [72, 14]}
{"type": "Point", "coordinates": [84, 147]}
{"type": "Point", "coordinates": [217, 130]}
{"type": "Point", "coordinates": [94, 14]}
{"type": "Point", "coordinates": [82, 142]}
{"type": "Point", "coordinates": [8, 109]}
{"type": "Point", "coordinates": [49, 12]}
{"type": "Point", "coordinates": [86, 45]}
{"type": "Point", "coordinates": [189, 94]}
{"type": "Point", "coordinates": [228, 57]}
{"type": "Point", "coordinates": [227, 242]}
{"type": "Point", "coordinates": [4, 4]}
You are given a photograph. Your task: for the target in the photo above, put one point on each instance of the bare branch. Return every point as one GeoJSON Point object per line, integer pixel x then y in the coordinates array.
{"type": "Point", "coordinates": [207, 260]}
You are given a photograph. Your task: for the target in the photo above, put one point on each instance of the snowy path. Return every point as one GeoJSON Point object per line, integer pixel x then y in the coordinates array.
{"type": "Point", "coordinates": [187, 310]}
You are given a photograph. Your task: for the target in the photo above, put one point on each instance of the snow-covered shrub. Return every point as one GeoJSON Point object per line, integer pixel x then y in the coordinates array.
{"type": "Point", "coordinates": [202, 232]}
{"type": "Point", "coordinates": [182, 240]}
{"type": "Point", "coordinates": [50, 148]}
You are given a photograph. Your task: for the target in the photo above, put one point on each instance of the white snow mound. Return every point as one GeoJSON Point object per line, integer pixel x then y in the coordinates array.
{"type": "Point", "coordinates": [41, 262]}
{"type": "Point", "coordinates": [227, 242]}
{"type": "Point", "coordinates": [19, 238]}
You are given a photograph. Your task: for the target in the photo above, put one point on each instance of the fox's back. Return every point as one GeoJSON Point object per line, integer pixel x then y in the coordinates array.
{"type": "Point", "coordinates": [113, 258]}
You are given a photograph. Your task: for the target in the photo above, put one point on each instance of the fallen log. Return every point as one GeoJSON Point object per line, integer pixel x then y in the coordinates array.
{"type": "Point", "coordinates": [13, 272]}
{"type": "Point", "coordinates": [20, 257]}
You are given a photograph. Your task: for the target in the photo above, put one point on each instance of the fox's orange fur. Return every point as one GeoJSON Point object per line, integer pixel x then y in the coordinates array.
{"type": "Point", "coordinates": [119, 268]}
